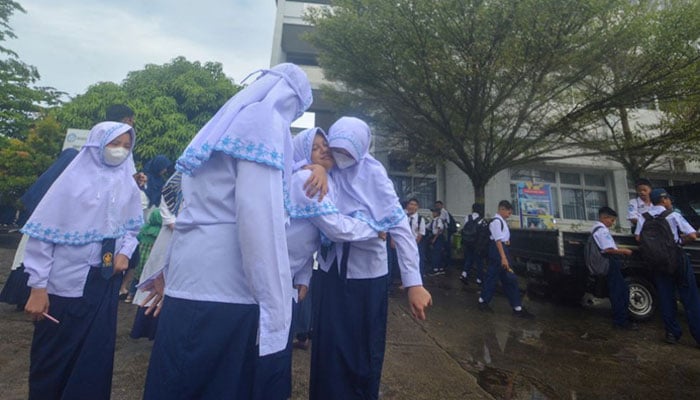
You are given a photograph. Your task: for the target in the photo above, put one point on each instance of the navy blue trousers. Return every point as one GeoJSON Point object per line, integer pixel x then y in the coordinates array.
{"type": "Point", "coordinates": [683, 282]}
{"type": "Point", "coordinates": [437, 253]}
{"type": "Point", "coordinates": [349, 336]}
{"type": "Point", "coordinates": [472, 261]}
{"type": "Point", "coordinates": [618, 293]}
{"type": "Point", "coordinates": [74, 359]}
{"type": "Point", "coordinates": [203, 350]}
{"type": "Point", "coordinates": [496, 272]}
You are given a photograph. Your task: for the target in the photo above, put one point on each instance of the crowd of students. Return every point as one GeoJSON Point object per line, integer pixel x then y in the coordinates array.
{"type": "Point", "coordinates": [249, 208]}
{"type": "Point", "coordinates": [226, 256]}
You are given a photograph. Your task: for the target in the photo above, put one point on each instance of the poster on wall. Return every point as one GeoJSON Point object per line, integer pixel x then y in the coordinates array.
{"type": "Point", "coordinates": [535, 204]}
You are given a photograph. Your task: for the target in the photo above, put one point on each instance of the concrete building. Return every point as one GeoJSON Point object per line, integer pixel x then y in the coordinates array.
{"type": "Point", "coordinates": [578, 186]}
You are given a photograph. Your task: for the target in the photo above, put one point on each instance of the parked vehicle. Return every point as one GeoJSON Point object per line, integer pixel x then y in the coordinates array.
{"type": "Point", "coordinates": [553, 260]}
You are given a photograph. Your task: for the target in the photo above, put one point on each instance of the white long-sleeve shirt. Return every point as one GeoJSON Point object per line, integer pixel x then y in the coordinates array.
{"type": "Point", "coordinates": [303, 236]}
{"type": "Point", "coordinates": [63, 269]}
{"type": "Point", "coordinates": [368, 259]}
{"type": "Point", "coordinates": [230, 244]}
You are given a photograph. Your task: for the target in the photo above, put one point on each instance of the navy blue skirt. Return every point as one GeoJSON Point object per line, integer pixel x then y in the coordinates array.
{"type": "Point", "coordinates": [273, 375]}
{"type": "Point", "coordinates": [145, 326]}
{"type": "Point", "coordinates": [16, 290]}
{"type": "Point", "coordinates": [203, 350]}
{"type": "Point", "coordinates": [349, 336]}
{"type": "Point", "coordinates": [74, 359]}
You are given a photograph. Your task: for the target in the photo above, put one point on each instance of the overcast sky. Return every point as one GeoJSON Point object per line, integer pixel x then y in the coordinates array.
{"type": "Point", "coordinates": [77, 43]}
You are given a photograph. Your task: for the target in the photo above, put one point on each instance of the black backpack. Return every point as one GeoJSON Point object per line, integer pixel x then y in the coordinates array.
{"type": "Point", "coordinates": [596, 262]}
{"type": "Point", "coordinates": [470, 230]}
{"type": "Point", "coordinates": [656, 244]}
{"type": "Point", "coordinates": [481, 246]}
{"type": "Point", "coordinates": [451, 224]}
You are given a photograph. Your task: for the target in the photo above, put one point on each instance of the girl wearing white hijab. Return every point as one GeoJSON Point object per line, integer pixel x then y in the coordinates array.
{"type": "Point", "coordinates": [352, 280]}
{"type": "Point", "coordinates": [81, 236]}
{"type": "Point", "coordinates": [227, 282]}
{"type": "Point", "coordinates": [309, 220]}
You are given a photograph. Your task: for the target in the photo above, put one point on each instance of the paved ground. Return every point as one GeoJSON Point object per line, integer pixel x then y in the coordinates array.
{"type": "Point", "coordinates": [459, 353]}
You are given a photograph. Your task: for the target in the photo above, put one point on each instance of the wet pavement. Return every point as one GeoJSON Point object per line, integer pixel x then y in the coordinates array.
{"type": "Point", "coordinates": [458, 353]}
{"type": "Point", "coordinates": [567, 352]}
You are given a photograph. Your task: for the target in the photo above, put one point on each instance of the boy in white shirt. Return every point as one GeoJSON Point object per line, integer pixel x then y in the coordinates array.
{"type": "Point", "coordinates": [618, 289]}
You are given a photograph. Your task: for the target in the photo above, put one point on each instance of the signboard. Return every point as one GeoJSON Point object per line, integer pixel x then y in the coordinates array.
{"type": "Point", "coordinates": [535, 204]}
{"type": "Point", "coordinates": [75, 138]}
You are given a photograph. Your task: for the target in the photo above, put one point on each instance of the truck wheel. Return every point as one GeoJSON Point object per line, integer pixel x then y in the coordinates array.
{"type": "Point", "coordinates": [642, 298]}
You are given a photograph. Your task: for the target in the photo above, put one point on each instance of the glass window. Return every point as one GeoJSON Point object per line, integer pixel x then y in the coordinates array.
{"type": "Point", "coordinates": [555, 202]}
{"type": "Point", "coordinates": [594, 200]}
{"type": "Point", "coordinates": [423, 189]}
{"type": "Point", "coordinates": [514, 198]}
{"type": "Point", "coordinates": [576, 196]}
{"type": "Point", "coordinates": [594, 180]}
{"type": "Point", "coordinates": [544, 176]}
{"type": "Point", "coordinates": [570, 178]}
{"type": "Point", "coordinates": [572, 203]}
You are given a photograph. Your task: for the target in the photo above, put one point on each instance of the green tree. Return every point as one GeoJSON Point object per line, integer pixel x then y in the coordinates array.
{"type": "Point", "coordinates": [658, 46]}
{"type": "Point", "coordinates": [20, 99]}
{"type": "Point", "coordinates": [22, 161]}
{"type": "Point", "coordinates": [486, 85]}
{"type": "Point", "coordinates": [171, 103]}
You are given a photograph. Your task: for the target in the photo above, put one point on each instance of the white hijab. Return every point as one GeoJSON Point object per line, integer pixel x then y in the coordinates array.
{"type": "Point", "coordinates": [254, 124]}
{"type": "Point", "coordinates": [365, 191]}
{"type": "Point", "coordinates": [91, 200]}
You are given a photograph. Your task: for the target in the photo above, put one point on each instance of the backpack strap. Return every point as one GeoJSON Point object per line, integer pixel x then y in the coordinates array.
{"type": "Point", "coordinates": [665, 214]}
{"type": "Point", "coordinates": [499, 220]}
{"type": "Point", "coordinates": [596, 229]}
{"type": "Point", "coordinates": [647, 216]}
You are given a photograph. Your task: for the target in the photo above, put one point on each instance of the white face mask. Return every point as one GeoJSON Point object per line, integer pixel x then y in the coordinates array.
{"type": "Point", "coordinates": [342, 160]}
{"type": "Point", "coordinates": [115, 155]}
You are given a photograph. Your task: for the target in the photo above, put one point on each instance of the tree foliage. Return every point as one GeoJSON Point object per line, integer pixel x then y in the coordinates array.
{"type": "Point", "coordinates": [655, 60]}
{"type": "Point", "coordinates": [22, 161]}
{"type": "Point", "coordinates": [486, 85]}
{"type": "Point", "coordinates": [20, 99]}
{"type": "Point", "coordinates": [171, 103]}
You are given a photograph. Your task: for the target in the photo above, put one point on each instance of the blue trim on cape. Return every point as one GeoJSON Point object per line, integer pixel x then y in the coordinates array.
{"type": "Point", "coordinates": [76, 238]}
{"type": "Point", "coordinates": [192, 158]}
{"type": "Point", "coordinates": [310, 210]}
{"type": "Point", "coordinates": [386, 223]}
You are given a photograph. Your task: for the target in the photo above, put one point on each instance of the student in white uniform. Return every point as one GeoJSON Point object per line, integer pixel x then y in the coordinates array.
{"type": "Point", "coordinates": [352, 278]}
{"type": "Point", "coordinates": [618, 289]}
{"type": "Point", "coordinates": [310, 220]}
{"type": "Point", "coordinates": [81, 236]}
{"type": "Point", "coordinates": [640, 204]}
{"type": "Point", "coordinates": [499, 265]}
{"type": "Point", "coordinates": [228, 284]}
{"type": "Point", "coordinates": [682, 281]}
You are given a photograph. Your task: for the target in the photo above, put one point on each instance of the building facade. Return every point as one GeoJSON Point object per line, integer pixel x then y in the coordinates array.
{"type": "Point", "coordinates": [578, 186]}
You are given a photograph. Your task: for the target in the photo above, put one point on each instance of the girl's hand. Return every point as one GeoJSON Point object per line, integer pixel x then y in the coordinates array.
{"type": "Point", "coordinates": [37, 304]}
{"type": "Point", "coordinates": [317, 182]}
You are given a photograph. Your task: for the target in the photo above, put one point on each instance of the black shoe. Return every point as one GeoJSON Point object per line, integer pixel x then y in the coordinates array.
{"type": "Point", "coordinates": [484, 307]}
{"type": "Point", "coordinates": [524, 314]}
{"type": "Point", "coordinates": [464, 279]}
{"type": "Point", "coordinates": [671, 338]}
{"type": "Point", "coordinates": [629, 326]}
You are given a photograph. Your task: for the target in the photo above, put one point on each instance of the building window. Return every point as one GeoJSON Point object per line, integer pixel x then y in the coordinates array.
{"type": "Point", "coordinates": [575, 195]}
{"type": "Point", "coordinates": [422, 188]}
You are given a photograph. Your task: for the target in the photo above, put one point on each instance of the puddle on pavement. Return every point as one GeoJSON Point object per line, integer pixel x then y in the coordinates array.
{"type": "Point", "coordinates": [511, 385]}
